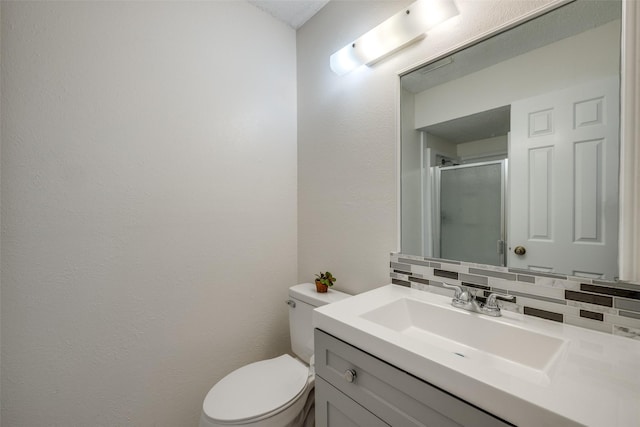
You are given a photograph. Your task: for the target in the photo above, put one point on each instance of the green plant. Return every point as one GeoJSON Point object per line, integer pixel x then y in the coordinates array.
{"type": "Point", "coordinates": [326, 278]}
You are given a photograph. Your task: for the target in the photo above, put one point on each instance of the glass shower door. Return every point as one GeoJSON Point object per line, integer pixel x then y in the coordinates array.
{"type": "Point", "coordinates": [472, 216]}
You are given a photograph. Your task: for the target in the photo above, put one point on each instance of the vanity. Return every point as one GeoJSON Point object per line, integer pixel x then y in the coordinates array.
{"type": "Point", "coordinates": [404, 357]}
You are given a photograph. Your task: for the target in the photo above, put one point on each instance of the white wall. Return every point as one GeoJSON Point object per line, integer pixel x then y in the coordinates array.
{"type": "Point", "coordinates": [0, 209]}
{"type": "Point", "coordinates": [497, 146]}
{"type": "Point", "coordinates": [411, 218]}
{"type": "Point", "coordinates": [439, 146]}
{"type": "Point", "coordinates": [148, 206]}
{"type": "Point", "coordinates": [346, 152]}
{"type": "Point", "coordinates": [347, 135]}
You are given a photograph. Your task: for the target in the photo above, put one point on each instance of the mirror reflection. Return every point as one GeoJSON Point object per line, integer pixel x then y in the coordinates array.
{"type": "Point", "coordinates": [510, 147]}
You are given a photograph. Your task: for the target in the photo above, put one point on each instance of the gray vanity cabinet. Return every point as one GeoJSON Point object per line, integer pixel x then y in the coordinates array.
{"type": "Point", "coordinates": [354, 388]}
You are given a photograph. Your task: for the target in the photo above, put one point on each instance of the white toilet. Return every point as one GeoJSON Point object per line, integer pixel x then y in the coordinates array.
{"type": "Point", "coordinates": [276, 392]}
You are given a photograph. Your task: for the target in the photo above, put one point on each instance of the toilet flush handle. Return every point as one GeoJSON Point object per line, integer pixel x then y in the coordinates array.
{"type": "Point", "coordinates": [291, 303]}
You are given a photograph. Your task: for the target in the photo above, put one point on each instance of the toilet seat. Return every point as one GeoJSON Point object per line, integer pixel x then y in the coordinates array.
{"type": "Point", "coordinates": [256, 390]}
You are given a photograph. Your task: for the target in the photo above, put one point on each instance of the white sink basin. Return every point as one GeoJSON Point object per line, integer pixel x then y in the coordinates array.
{"type": "Point", "coordinates": [475, 337]}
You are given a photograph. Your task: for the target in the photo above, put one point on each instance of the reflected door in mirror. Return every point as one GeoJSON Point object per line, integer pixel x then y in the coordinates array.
{"type": "Point", "coordinates": [563, 194]}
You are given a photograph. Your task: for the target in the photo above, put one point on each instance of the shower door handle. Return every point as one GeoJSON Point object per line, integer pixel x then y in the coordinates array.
{"type": "Point", "coordinates": [500, 247]}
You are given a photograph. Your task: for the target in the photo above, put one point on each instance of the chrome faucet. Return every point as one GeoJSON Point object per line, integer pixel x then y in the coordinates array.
{"type": "Point", "coordinates": [466, 300]}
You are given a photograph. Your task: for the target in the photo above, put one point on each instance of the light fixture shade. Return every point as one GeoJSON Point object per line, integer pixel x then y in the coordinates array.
{"type": "Point", "coordinates": [402, 29]}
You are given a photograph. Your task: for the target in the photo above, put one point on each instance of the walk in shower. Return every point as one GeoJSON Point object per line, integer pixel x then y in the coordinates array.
{"type": "Point", "coordinates": [470, 212]}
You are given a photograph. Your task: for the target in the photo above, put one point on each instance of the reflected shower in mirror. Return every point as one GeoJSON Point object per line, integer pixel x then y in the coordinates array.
{"type": "Point", "coordinates": [510, 147]}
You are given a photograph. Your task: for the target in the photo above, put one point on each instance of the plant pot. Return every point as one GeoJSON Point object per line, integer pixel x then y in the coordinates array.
{"type": "Point", "coordinates": [320, 287]}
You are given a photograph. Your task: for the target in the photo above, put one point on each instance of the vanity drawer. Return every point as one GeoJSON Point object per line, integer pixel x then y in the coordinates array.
{"type": "Point", "coordinates": [337, 410]}
{"type": "Point", "coordinates": [399, 399]}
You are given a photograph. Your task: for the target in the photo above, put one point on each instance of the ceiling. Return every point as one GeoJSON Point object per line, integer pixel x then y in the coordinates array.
{"type": "Point", "coordinates": [483, 125]}
{"type": "Point", "coordinates": [294, 13]}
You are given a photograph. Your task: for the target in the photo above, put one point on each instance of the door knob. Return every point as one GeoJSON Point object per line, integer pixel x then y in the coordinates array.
{"type": "Point", "coordinates": [520, 250]}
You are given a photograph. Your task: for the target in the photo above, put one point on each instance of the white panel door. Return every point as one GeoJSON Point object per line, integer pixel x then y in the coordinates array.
{"type": "Point", "coordinates": [563, 181]}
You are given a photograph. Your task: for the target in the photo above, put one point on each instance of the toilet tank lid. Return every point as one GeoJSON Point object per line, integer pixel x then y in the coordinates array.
{"type": "Point", "coordinates": [306, 292]}
{"type": "Point", "coordinates": [256, 389]}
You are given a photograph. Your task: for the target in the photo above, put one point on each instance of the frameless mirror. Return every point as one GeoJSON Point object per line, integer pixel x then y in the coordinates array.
{"type": "Point", "coordinates": [510, 147]}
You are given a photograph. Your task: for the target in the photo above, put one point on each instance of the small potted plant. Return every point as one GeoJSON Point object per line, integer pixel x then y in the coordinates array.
{"type": "Point", "coordinates": [323, 281]}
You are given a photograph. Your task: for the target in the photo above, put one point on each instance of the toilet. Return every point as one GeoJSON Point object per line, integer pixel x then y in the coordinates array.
{"type": "Point", "coordinates": [276, 392]}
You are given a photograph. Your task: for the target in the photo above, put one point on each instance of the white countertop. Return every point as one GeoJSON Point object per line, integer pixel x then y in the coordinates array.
{"type": "Point", "coordinates": [594, 382]}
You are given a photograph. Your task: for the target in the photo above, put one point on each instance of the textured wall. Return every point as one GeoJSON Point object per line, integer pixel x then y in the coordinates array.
{"type": "Point", "coordinates": [348, 131]}
{"type": "Point", "coordinates": [148, 206]}
{"type": "Point", "coordinates": [0, 207]}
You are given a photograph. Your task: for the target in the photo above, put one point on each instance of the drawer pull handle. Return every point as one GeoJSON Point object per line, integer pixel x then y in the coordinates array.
{"type": "Point", "coordinates": [349, 375]}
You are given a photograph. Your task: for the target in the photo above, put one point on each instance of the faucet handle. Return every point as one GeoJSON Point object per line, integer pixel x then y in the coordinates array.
{"type": "Point", "coordinates": [491, 307]}
{"type": "Point", "coordinates": [462, 295]}
{"type": "Point", "coordinates": [456, 288]}
{"type": "Point", "coordinates": [492, 303]}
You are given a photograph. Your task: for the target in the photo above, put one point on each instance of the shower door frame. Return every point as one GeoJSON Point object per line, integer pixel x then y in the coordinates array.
{"type": "Point", "coordinates": [501, 245]}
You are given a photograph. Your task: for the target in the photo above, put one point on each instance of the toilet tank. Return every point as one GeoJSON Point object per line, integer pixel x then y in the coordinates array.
{"type": "Point", "coordinates": [306, 299]}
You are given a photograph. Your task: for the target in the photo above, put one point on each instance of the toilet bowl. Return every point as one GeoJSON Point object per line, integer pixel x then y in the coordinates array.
{"type": "Point", "coordinates": [276, 392]}
{"type": "Point", "coordinates": [271, 392]}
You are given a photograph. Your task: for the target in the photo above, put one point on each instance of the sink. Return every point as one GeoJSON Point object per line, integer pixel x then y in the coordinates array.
{"type": "Point", "coordinates": [471, 336]}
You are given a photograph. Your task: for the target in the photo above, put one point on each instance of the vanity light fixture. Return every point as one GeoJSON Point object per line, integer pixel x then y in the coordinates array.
{"type": "Point", "coordinates": [405, 27]}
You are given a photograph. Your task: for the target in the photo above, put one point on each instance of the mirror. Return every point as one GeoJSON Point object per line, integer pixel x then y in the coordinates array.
{"type": "Point", "coordinates": [510, 147]}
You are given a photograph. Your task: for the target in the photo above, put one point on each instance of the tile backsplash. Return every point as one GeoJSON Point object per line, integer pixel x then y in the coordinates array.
{"type": "Point", "coordinates": [611, 307]}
